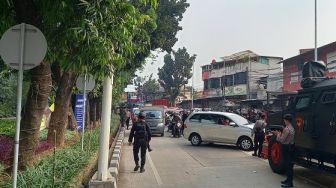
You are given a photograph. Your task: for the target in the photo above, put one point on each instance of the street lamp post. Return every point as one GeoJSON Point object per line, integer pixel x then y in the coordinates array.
{"type": "Point", "coordinates": [315, 50]}
{"type": "Point", "coordinates": [192, 87]}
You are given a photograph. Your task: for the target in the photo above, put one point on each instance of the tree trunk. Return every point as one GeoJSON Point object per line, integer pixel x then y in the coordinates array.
{"type": "Point", "coordinates": [58, 120]}
{"type": "Point", "coordinates": [72, 124]}
{"type": "Point", "coordinates": [93, 110]}
{"type": "Point", "coordinates": [37, 101]}
{"type": "Point", "coordinates": [99, 108]}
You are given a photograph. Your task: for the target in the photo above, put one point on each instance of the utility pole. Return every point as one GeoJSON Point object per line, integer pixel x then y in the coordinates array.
{"type": "Point", "coordinates": [223, 86]}
{"type": "Point", "coordinates": [103, 172]}
{"type": "Point", "coordinates": [315, 50]}
{"type": "Point", "coordinates": [248, 95]}
{"type": "Point", "coordinates": [192, 87]}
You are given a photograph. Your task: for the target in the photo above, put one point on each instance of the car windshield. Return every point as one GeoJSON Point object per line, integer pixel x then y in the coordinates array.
{"type": "Point", "coordinates": [239, 120]}
{"type": "Point", "coordinates": [136, 112]}
{"type": "Point", "coordinates": [153, 114]}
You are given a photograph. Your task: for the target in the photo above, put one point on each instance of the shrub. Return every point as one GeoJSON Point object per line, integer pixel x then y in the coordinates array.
{"type": "Point", "coordinates": [69, 162]}
{"type": "Point", "coordinates": [7, 127]}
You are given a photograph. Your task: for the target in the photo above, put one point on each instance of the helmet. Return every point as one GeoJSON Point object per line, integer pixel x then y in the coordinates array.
{"type": "Point", "coordinates": [288, 117]}
{"type": "Point", "coordinates": [141, 115]}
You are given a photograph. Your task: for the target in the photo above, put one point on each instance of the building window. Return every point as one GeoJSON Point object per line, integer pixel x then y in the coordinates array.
{"type": "Point", "coordinates": [294, 77]}
{"type": "Point", "coordinates": [240, 78]}
{"type": "Point", "coordinates": [264, 60]}
{"type": "Point", "coordinates": [206, 82]}
{"type": "Point", "coordinates": [214, 83]}
{"type": "Point", "coordinates": [228, 80]}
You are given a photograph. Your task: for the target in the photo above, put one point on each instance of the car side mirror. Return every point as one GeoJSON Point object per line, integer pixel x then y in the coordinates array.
{"type": "Point", "coordinates": [233, 124]}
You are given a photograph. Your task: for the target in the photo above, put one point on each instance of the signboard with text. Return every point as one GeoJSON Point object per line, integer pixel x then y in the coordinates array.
{"type": "Point", "coordinates": [79, 109]}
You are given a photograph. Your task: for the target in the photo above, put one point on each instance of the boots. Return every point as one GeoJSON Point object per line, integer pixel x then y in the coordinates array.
{"type": "Point", "coordinates": [142, 169]}
{"type": "Point", "coordinates": [136, 168]}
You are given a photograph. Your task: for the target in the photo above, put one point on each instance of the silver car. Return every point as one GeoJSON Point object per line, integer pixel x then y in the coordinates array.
{"type": "Point", "coordinates": [155, 118]}
{"type": "Point", "coordinates": [219, 127]}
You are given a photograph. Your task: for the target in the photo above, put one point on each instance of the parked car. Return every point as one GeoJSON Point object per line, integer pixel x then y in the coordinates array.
{"type": "Point", "coordinates": [155, 118]}
{"type": "Point", "coordinates": [219, 127]}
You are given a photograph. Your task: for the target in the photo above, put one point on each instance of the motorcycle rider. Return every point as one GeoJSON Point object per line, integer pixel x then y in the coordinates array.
{"type": "Point", "coordinates": [176, 129]}
{"type": "Point", "coordinates": [142, 136]}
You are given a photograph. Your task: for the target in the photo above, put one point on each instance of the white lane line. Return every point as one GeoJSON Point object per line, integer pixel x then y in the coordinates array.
{"type": "Point", "coordinates": [156, 174]}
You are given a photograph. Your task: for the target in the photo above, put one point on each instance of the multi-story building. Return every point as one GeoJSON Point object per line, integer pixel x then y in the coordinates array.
{"type": "Point", "coordinates": [238, 75]}
{"type": "Point", "coordinates": [292, 67]}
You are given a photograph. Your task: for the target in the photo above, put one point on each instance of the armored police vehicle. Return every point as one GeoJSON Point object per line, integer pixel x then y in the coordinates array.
{"type": "Point", "coordinates": [314, 119]}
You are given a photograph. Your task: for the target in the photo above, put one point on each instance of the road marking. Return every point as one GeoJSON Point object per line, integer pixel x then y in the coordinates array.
{"type": "Point", "coordinates": [156, 173]}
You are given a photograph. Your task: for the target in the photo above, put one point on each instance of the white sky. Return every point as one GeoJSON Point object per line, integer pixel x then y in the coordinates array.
{"type": "Point", "coordinates": [217, 28]}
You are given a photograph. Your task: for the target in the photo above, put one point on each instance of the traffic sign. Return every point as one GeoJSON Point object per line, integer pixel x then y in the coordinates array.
{"type": "Point", "coordinates": [34, 46]}
{"type": "Point", "coordinates": [90, 82]}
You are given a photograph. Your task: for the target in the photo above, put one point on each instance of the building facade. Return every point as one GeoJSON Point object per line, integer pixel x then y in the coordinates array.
{"type": "Point", "coordinates": [238, 75]}
{"type": "Point", "coordinates": [292, 67]}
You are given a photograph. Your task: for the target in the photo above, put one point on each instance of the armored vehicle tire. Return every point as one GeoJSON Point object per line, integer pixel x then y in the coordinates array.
{"type": "Point", "coordinates": [195, 139]}
{"type": "Point", "coordinates": [275, 157]}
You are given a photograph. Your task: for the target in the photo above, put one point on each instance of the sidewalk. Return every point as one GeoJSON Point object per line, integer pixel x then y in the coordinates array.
{"type": "Point", "coordinates": [130, 179]}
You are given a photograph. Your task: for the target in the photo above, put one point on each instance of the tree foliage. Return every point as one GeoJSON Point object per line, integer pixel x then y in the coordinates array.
{"type": "Point", "coordinates": [176, 72]}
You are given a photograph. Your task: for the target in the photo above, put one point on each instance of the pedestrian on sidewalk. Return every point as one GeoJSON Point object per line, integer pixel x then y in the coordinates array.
{"type": "Point", "coordinates": [128, 118]}
{"type": "Point", "coordinates": [122, 114]}
{"type": "Point", "coordinates": [286, 138]}
{"type": "Point", "coordinates": [258, 134]}
{"type": "Point", "coordinates": [142, 136]}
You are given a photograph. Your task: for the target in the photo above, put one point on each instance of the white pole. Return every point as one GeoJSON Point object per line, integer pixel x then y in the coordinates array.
{"type": "Point", "coordinates": [84, 111]}
{"type": "Point", "coordinates": [18, 105]}
{"type": "Point", "coordinates": [105, 130]}
{"type": "Point", "coordinates": [192, 87]}
{"type": "Point", "coordinates": [315, 51]}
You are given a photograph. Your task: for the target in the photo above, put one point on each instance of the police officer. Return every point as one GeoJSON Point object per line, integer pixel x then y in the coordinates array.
{"type": "Point", "coordinates": [259, 135]}
{"type": "Point", "coordinates": [286, 138]}
{"type": "Point", "coordinates": [142, 135]}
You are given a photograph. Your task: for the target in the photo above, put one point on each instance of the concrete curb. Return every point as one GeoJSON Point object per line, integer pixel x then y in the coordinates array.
{"type": "Point", "coordinates": [116, 155]}
{"type": "Point", "coordinates": [113, 165]}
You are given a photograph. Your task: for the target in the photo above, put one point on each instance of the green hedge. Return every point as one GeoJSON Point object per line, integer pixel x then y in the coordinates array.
{"type": "Point", "coordinates": [69, 162]}
{"type": "Point", "coordinates": [7, 127]}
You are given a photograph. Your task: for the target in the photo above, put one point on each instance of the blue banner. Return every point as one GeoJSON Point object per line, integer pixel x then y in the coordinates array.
{"type": "Point", "coordinates": [79, 110]}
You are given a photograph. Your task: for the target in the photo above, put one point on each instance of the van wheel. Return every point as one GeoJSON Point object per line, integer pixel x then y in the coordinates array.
{"type": "Point", "coordinates": [195, 140]}
{"type": "Point", "coordinates": [162, 134]}
{"type": "Point", "coordinates": [245, 143]}
{"type": "Point", "coordinates": [275, 157]}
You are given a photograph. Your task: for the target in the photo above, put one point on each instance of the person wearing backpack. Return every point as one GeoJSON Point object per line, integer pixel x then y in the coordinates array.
{"type": "Point", "coordinates": [142, 136]}
{"type": "Point", "coordinates": [259, 135]}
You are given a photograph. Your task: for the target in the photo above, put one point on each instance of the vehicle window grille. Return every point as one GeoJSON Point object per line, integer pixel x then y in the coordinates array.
{"type": "Point", "coordinates": [329, 98]}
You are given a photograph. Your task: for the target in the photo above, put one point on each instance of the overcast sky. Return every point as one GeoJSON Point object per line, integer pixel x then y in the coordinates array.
{"type": "Point", "coordinates": [217, 28]}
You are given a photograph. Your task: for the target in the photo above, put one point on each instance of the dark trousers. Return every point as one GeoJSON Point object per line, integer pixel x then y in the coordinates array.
{"type": "Point", "coordinates": [127, 122]}
{"type": "Point", "coordinates": [140, 145]}
{"type": "Point", "coordinates": [258, 142]}
{"type": "Point", "coordinates": [288, 152]}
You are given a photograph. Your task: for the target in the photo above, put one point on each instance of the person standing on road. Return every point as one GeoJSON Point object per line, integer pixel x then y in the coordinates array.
{"type": "Point", "coordinates": [286, 138]}
{"type": "Point", "coordinates": [259, 135]}
{"type": "Point", "coordinates": [142, 136]}
{"type": "Point", "coordinates": [184, 117]}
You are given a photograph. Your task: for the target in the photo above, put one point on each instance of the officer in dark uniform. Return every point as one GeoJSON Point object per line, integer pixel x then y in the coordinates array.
{"type": "Point", "coordinates": [142, 135]}
{"type": "Point", "coordinates": [286, 138]}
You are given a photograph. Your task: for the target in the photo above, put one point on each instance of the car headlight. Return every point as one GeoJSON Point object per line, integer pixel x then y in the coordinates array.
{"type": "Point", "coordinates": [160, 125]}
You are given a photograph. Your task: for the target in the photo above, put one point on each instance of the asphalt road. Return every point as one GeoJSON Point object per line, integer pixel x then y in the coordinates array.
{"type": "Point", "coordinates": [175, 163]}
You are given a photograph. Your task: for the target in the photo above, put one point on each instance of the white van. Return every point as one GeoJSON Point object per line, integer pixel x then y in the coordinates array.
{"type": "Point", "coordinates": [219, 127]}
